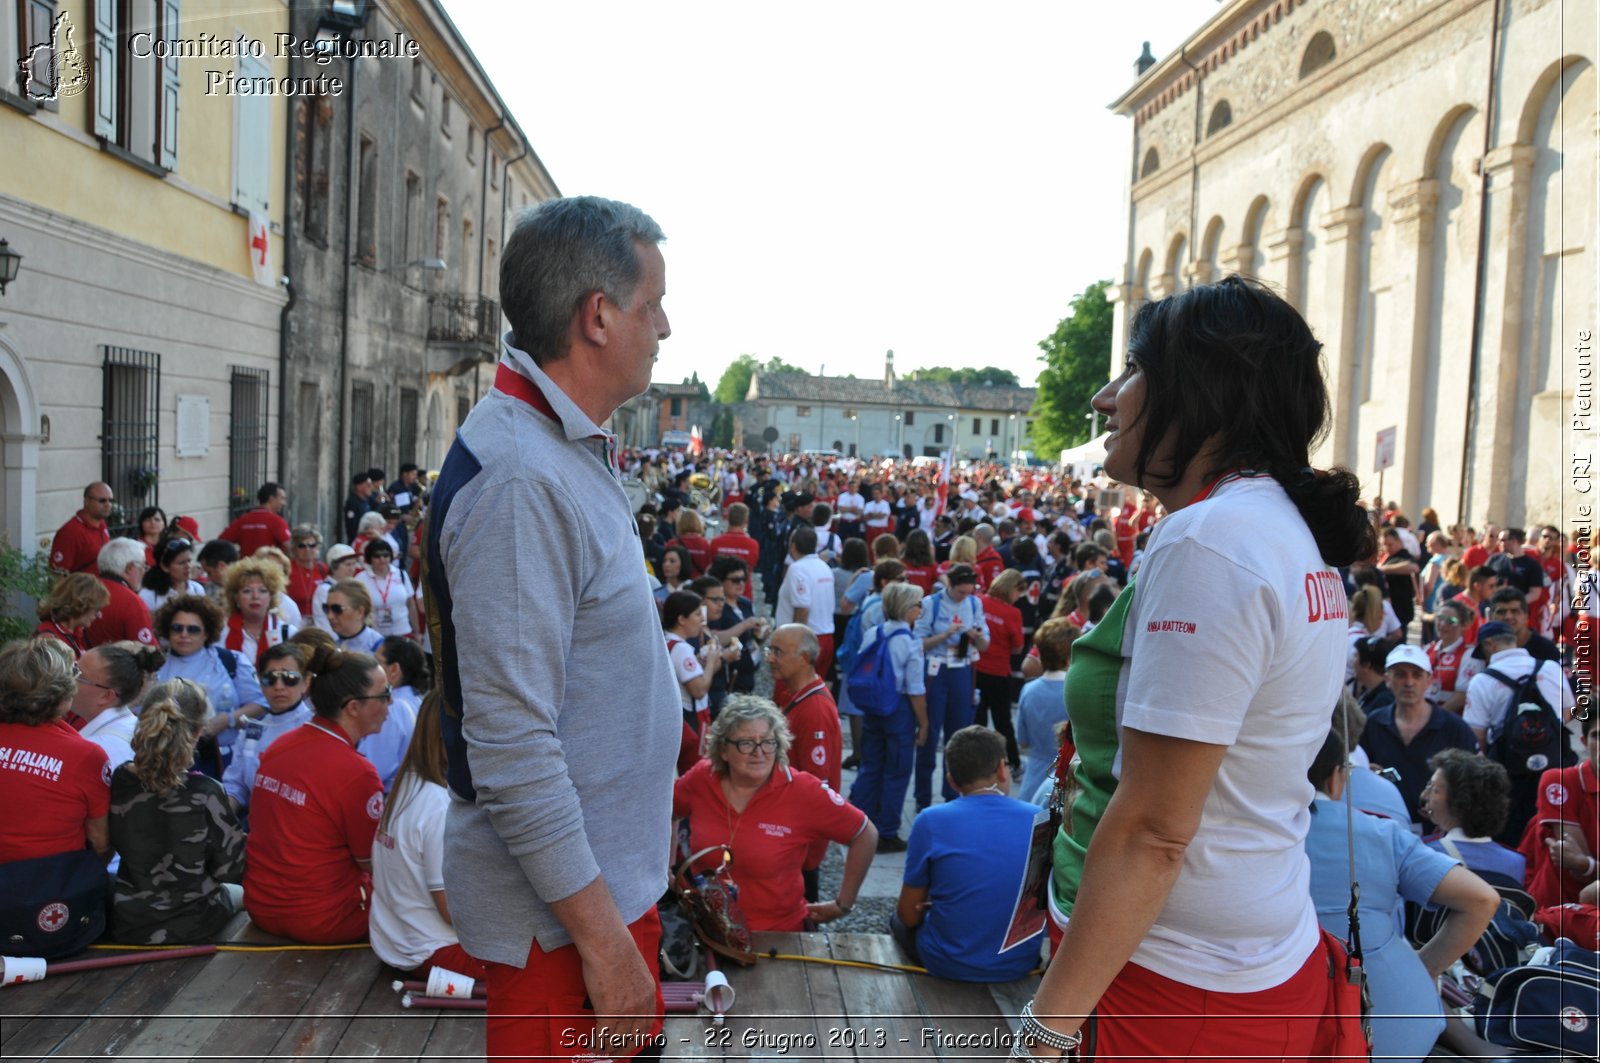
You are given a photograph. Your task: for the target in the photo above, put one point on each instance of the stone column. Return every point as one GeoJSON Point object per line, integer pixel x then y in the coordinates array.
{"type": "Point", "coordinates": [1503, 251]}
{"type": "Point", "coordinates": [1197, 272]}
{"type": "Point", "coordinates": [1240, 260]}
{"type": "Point", "coordinates": [1405, 383]}
{"type": "Point", "coordinates": [1336, 308]}
{"type": "Point", "coordinates": [1125, 299]}
{"type": "Point", "coordinates": [1283, 261]}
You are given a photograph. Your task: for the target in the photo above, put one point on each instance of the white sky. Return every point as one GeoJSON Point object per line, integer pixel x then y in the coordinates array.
{"type": "Point", "coordinates": [938, 178]}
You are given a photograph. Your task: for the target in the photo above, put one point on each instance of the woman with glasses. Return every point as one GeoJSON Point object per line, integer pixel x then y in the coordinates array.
{"type": "Point", "coordinates": [285, 678]}
{"type": "Point", "coordinates": [253, 592]}
{"type": "Point", "coordinates": [1451, 655]}
{"type": "Point", "coordinates": [315, 807]}
{"type": "Point", "coordinates": [111, 678]}
{"type": "Point", "coordinates": [180, 844]}
{"type": "Point", "coordinates": [169, 574]}
{"type": "Point", "coordinates": [393, 595]}
{"type": "Point", "coordinates": [744, 795]}
{"type": "Point", "coordinates": [306, 569]}
{"type": "Point", "coordinates": [349, 611]}
{"type": "Point", "coordinates": [343, 563]}
{"type": "Point", "coordinates": [192, 627]}
{"type": "Point", "coordinates": [71, 606]}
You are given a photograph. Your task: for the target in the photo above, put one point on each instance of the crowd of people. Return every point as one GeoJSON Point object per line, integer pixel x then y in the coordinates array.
{"type": "Point", "coordinates": [251, 723]}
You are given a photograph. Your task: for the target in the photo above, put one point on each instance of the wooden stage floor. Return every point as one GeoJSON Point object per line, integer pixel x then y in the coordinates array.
{"type": "Point", "coordinates": [272, 1005]}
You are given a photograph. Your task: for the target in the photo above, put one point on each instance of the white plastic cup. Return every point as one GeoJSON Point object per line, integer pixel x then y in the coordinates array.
{"type": "Point", "coordinates": [718, 997]}
{"type": "Point", "coordinates": [19, 969]}
{"type": "Point", "coordinates": [443, 982]}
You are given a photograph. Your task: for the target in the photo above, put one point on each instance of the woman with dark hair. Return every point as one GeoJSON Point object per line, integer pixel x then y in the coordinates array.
{"type": "Point", "coordinates": [922, 568]}
{"type": "Point", "coordinates": [394, 596]}
{"type": "Point", "coordinates": [111, 678]}
{"type": "Point", "coordinates": [152, 523]}
{"type": "Point", "coordinates": [1206, 686]}
{"type": "Point", "coordinates": [72, 605]}
{"type": "Point", "coordinates": [180, 844]}
{"type": "Point", "coordinates": [192, 626]}
{"type": "Point", "coordinates": [285, 678]}
{"type": "Point", "coordinates": [1468, 798]}
{"type": "Point", "coordinates": [676, 570]}
{"type": "Point", "coordinates": [406, 668]}
{"type": "Point", "coordinates": [315, 807]}
{"type": "Point", "coordinates": [411, 927]}
{"type": "Point", "coordinates": [169, 574]}
{"type": "Point", "coordinates": [683, 620]}
{"type": "Point", "coordinates": [1370, 687]}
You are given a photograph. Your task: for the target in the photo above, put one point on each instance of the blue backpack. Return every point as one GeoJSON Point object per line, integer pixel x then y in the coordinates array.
{"type": "Point", "coordinates": [870, 681]}
{"type": "Point", "coordinates": [845, 655]}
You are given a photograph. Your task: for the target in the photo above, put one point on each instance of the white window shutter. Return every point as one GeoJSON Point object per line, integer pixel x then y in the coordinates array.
{"type": "Point", "coordinates": [105, 69]}
{"type": "Point", "coordinates": [167, 148]}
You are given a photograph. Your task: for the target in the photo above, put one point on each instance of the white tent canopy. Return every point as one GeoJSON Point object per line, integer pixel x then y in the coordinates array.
{"type": "Point", "coordinates": [1090, 453]}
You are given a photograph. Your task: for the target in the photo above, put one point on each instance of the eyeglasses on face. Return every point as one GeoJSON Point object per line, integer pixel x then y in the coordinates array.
{"type": "Point", "coordinates": [309, 545]}
{"type": "Point", "coordinates": [335, 609]}
{"type": "Point", "coordinates": [751, 745]}
{"type": "Point", "coordinates": [103, 501]}
{"type": "Point", "coordinates": [739, 578]}
{"type": "Point", "coordinates": [83, 680]}
{"type": "Point", "coordinates": [715, 601]}
{"type": "Point", "coordinates": [188, 629]}
{"type": "Point", "coordinates": [272, 679]}
{"type": "Point", "coordinates": [386, 697]}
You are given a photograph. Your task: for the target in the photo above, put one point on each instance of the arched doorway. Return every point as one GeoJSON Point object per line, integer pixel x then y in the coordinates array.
{"type": "Point", "coordinates": [19, 465]}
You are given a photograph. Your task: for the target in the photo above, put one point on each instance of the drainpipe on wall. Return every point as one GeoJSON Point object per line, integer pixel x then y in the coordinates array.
{"type": "Point", "coordinates": [1194, 158]}
{"type": "Point", "coordinates": [283, 314]}
{"type": "Point", "coordinates": [342, 462]}
{"type": "Point", "coordinates": [1480, 279]}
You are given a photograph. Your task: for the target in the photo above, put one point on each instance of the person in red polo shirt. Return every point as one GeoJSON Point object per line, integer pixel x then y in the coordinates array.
{"type": "Point", "coordinates": [125, 616]}
{"type": "Point", "coordinates": [736, 541]}
{"type": "Point", "coordinates": [76, 547]}
{"type": "Point", "coordinates": [262, 526]}
{"type": "Point", "coordinates": [813, 721]}
{"type": "Point", "coordinates": [314, 810]}
{"type": "Point", "coordinates": [745, 796]}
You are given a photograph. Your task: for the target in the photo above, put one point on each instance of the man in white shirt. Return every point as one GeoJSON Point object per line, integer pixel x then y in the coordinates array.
{"type": "Point", "coordinates": [806, 597]}
{"type": "Point", "coordinates": [852, 508]}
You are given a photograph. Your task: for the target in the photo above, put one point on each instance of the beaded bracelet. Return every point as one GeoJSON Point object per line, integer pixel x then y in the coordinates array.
{"type": "Point", "coordinates": [1034, 1030]}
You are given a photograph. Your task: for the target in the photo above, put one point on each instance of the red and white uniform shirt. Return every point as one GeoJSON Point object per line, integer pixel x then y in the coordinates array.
{"type": "Point", "coordinates": [738, 545]}
{"type": "Point", "coordinates": [769, 839]}
{"type": "Point", "coordinates": [124, 617]}
{"type": "Point", "coordinates": [818, 746]}
{"type": "Point", "coordinates": [686, 667]}
{"type": "Point", "coordinates": [1447, 677]}
{"type": "Point", "coordinates": [60, 778]}
{"type": "Point", "coordinates": [1566, 796]}
{"type": "Point", "coordinates": [76, 547]}
{"type": "Point", "coordinates": [255, 529]}
{"type": "Point", "coordinates": [314, 809]}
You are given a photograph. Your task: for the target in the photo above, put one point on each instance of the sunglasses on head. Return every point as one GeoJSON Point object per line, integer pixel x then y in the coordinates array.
{"type": "Point", "coordinates": [188, 629]}
{"type": "Point", "coordinates": [288, 679]}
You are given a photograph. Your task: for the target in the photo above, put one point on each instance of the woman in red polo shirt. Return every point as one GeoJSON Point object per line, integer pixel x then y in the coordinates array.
{"type": "Point", "coordinates": [71, 606]}
{"type": "Point", "coordinates": [744, 795]}
{"type": "Point", "coordinates": [993, 677]}
{"type": "Point", "coordinates": [314, 809]}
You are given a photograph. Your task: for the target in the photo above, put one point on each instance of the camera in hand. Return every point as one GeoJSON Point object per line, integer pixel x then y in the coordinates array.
{"type": "Point", "coordinates": [963, 643]}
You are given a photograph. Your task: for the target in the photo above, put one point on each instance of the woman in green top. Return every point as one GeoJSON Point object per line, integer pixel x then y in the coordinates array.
{"type": "Point", "coordinates": [1200, 699]}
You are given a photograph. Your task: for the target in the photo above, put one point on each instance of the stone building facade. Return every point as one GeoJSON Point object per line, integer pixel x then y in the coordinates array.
{"type": "Point", "coordinates": [402, 189]}
{"type": "Point", "coordinates": [1419, 178]}
{"type": "Point", "coordinates": [884, 418]}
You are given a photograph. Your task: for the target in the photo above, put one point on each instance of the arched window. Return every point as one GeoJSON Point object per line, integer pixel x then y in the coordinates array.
{"type": "Point", "coordinates": [1152, 163]}
{"type": "Point", "coordinates": [1221, 117]}
{"type": "Point", "coordinates": [1318, 54]}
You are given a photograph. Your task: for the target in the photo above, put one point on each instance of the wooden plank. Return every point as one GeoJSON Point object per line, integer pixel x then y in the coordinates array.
{"type": "Point", "coordinates": [326, 1015]}
{"type": "Point", "coordinates": [125, 1014]}
{"type": "Point", "coordinates": [771, 1015]}
{"type": "Point", "coordinates": [283, 984]}
{"type": "Point", "coordinates": [883, 1010]}
{"type": "Point", "coordinates": [1010, 996]}
{"type": "Point", "coordinates": [456, 1035]}
{"type": "Point", "coordinates": [18, 1002]}
{"type": "Point", "coordinates": [961, 1019]}
{"type": "Point", "coordinates": [381, 1028]}
{"type": "Point", "coordinates": [204, 1005]}
{"type": "Point", "coordinates": [827, 1001]}
{"type": "Point", "coordinates": [83, 995]}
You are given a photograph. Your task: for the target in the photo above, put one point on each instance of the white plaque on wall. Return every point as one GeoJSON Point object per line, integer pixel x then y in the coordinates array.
{"type": "Point", "coordinates": [194, 426]}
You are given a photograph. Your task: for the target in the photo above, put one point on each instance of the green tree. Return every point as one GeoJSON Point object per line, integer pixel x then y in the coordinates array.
{"type": "Point", "coordinates": [721, 429]}
{"type": "Point", "coordinates": [989, 374]}
{"type": "Point", "coordinates": [735, 382]}
{"type": "Point", "coordinates": [1077, 363]}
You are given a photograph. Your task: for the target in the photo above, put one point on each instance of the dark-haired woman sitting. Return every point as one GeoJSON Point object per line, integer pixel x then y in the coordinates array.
{"type": "Point", "coordinates": [315, 807]}
{"type": "Point", "coordinates": [285, 678]}
{"type": "Point", "coordinates": [182, 848]}
{"type": "Point", "coordinates": [406, 668]}
{"type": "Point", "coordinates": [111, 678]}
{"type": "Point", "coordinates": [1467, 798]}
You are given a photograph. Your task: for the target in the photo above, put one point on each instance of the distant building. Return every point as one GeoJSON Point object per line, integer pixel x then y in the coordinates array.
{"type": "Point", "coordinates": [1420, 181]}
{"type": "Point", "coordinates": [887, 417]}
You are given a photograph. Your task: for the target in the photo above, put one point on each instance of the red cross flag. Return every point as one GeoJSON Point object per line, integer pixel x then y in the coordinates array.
{"type": "Point", "coordinates": [260, 249]}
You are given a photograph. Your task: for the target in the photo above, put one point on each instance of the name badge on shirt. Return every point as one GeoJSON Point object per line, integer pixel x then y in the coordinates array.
{"type": "Point", "coordinates": [384, 615]}
{"type": "Point", "coordinates": [934, 664]}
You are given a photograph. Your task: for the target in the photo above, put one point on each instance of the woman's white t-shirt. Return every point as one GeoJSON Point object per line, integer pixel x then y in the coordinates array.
{"type": "Point", "coordinates": [407, 866]}
{"type": "Point", "coordinates": [390, 598]}
{"type": "Point", "coordinates": [1237, 637]}
{"type": "Point", "coordinates": [686, 666]}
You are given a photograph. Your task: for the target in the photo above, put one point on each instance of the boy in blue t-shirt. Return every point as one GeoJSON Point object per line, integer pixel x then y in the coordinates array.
{"type": "Point", "coordinates": [964, 868]}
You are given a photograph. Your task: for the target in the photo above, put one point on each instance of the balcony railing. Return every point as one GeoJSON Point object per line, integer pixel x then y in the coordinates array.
{"type": "Point", "coordinates": [463, 319]}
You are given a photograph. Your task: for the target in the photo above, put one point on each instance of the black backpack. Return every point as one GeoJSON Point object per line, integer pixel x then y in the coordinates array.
{"type": "Point", "coordinates": [1530, 740]}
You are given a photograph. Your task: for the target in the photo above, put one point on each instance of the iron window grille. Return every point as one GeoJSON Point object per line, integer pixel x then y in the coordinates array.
{"type": "Point", "coordinates": [247, 438]}
{"type": "Point", "coordinates": [129, 438]}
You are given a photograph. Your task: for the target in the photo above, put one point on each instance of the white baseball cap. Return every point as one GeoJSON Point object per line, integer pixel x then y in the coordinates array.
{"type": "Point", "coordinates": [1412, 655]}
